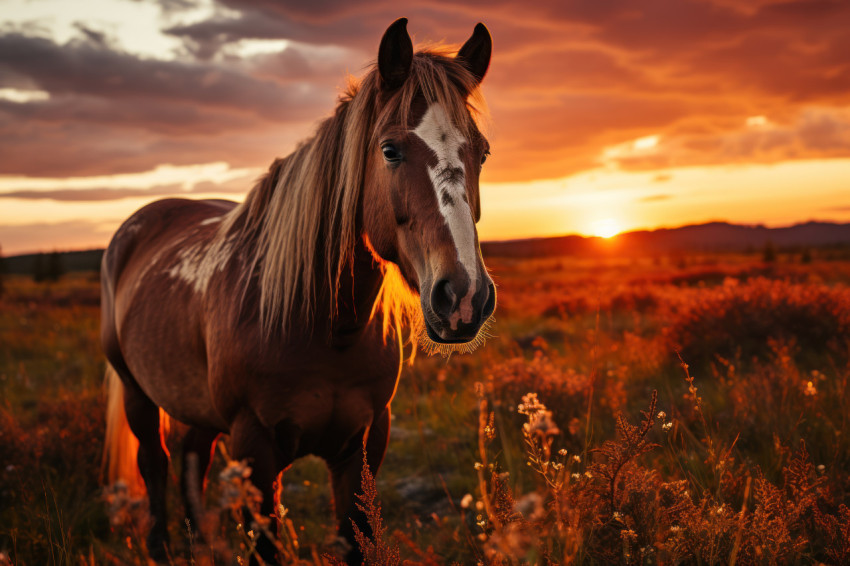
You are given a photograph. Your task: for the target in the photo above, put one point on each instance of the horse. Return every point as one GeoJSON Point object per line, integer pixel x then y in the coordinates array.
{"type": "Point", "coordinates": [280, 321]}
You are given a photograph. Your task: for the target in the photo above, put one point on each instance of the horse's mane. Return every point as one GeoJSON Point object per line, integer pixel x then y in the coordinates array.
{"type": "Point", "coordinates": [300, 221]}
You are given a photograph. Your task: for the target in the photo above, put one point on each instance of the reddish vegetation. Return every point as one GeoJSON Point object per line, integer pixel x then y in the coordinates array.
{"type": "Point", "coordinates": [548, 446]}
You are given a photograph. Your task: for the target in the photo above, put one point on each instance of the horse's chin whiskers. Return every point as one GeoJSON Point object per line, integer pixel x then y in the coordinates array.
{"type": "Point", "coordinates": [430, 347]}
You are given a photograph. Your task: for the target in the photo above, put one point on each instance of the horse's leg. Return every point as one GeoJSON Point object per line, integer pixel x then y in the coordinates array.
{"type": "Point", "coordinates": [198, 445]}
{"type": "Point", "coordinates": [251, 441]}
{"type": "Point", "coordinates": [143, 418]}
{"type": "Point", "coordinates": [346, 481]}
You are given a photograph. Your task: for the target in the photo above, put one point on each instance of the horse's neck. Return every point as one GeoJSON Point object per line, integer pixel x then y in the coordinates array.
{"type": "Point", "coordinates": [358, 288]}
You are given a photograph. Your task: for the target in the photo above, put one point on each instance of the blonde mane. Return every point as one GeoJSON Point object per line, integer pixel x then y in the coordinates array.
{"type": "Point", "coordinates": [300, 221]}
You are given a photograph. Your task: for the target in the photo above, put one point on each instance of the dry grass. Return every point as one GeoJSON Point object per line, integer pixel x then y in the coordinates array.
{"type": "Point", "coordinates": [575, 436]}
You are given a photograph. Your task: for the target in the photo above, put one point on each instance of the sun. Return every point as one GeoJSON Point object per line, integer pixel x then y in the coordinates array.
{"type": "Point", "coordinates": [605, 228]}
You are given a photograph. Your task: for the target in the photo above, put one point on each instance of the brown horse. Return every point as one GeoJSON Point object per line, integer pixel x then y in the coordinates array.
{"type": "Point", "coordinates": [278, 321]}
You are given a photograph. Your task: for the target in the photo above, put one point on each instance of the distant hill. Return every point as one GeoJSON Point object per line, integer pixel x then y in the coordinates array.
{"type": "Point", "coordinates": [87, 260]}
{"type": "Point", "coordinates": [710, 237]}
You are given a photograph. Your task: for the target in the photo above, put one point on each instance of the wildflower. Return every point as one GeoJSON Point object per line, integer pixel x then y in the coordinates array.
{"type": "Point", "coordinates": [821, 468]}
{"type": "Point", "coordinates": [588, 474]}
{"type": "Point", "coordinates": [479, 466]}
{"type": "Point", "coordinates": [661, 415]}
{"type": "Point", "coordinates": [562, 452]}
{"type": "Point", "coordinates": [540, 423]}
{"type": "Point", "coordinates": [530, 405]}
{"type": "Point", "coordinates": [577, 459]}
{"type": "Point", "coordinates": [810, 390]}
{"type": "Point", "coordinates": [122, 506]}
{"type": "Point", "coordinates": [236, 488]}
{"type": "Point", "coordinates": [576, 476]}
{"type": "Point", "coordinates": [235, 470]}
{"type": "Point", "coordinates": [466, 501]}
{"type": "Point", "coordinates": [667, 426]}
{"type": "Point", "coordinates": [675, 528]}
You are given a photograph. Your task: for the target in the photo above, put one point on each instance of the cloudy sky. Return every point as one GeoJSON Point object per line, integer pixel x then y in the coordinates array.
{"type": "Point", "coordinates": [607, 115]}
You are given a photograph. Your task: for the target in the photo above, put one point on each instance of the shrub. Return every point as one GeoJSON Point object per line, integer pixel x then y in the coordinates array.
{"type": "Point", "coordinates": [619, 510]}
{"type": "Point", "coordinates": [740, 319]}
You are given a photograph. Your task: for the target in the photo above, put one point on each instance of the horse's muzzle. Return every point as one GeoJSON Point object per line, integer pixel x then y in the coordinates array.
{"type": "Point", "coordinates": [449, 321]}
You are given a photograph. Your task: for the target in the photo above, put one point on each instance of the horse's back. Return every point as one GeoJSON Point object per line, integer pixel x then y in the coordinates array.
{"type": "Point", "coordinates": [160, 219]}
{"type": "Point", "coordinates": [151, 326]}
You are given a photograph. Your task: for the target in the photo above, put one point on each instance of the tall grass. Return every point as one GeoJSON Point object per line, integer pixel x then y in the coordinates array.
{"type": "Point", "coordinates": [578, 435]}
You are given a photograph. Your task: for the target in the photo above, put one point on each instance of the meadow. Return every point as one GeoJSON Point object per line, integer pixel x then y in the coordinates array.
{"type": "Point", "coordinates": [687, 409]}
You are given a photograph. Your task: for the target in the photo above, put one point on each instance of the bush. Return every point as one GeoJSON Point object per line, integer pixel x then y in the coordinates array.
{"type": "Point", "coordinates": [45, 511]}
{"type": "Point", "coordinates": [741, 318]}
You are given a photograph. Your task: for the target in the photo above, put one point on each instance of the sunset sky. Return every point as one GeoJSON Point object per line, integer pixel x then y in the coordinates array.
{"type": "Point", "coordinates": [607, 115]}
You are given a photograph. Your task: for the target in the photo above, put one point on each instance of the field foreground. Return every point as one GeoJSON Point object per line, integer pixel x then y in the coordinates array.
{"type": "Point", "coordinates": [688, 410]}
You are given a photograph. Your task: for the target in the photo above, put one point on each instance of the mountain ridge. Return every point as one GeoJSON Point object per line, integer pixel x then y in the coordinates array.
{"type": "Point", "coordinates": [708, 237]}
{"type": "Point", "coordinates": [715, 236]}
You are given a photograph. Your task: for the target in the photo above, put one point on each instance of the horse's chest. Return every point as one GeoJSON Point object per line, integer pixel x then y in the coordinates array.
{"type": "Point", "coordinates": [326, 395]}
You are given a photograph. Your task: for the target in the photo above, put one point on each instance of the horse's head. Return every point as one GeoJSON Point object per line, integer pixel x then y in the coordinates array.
{"type": "Point", "coordinates": [421, 197]}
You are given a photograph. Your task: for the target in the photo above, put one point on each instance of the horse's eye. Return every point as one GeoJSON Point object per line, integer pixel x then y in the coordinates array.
{"type": "Point", "coordinates": [484, 156]}
{"type": "Point", "coordinates": [391, 154]}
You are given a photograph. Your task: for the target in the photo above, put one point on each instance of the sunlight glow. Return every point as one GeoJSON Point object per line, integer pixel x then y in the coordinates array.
{"type": "Point", "coordinates": [605, 228]}
{"type": "Point", "coordinates": [757, 121]}
{"type": "Point", "coordinates": [645, 143]}
{"type": "Point", "coordinates": [185, 175]}
{"type": "Point", "coordinates": [135, 27]}
{"type": "Point", "coordinates": [23, 96]}
{"type": "Point", "coordinates": [667, 197]}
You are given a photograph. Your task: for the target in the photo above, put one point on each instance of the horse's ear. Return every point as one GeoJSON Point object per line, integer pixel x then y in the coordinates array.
{"type": "Point", "coordinates": [395, 55]}
{"type": "Point", "coordinates": [475, 53]}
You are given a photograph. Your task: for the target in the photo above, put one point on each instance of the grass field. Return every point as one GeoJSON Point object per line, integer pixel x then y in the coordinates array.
{"type": "Point", "coordinates": [623, 455]}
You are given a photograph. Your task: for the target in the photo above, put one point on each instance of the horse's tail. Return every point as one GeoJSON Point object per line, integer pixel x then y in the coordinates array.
{"type": "Point", "coordinates": [121, 446]}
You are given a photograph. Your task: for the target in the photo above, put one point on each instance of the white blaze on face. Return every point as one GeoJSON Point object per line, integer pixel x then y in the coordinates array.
{"type": "Point", "coordinates": [449, 181]}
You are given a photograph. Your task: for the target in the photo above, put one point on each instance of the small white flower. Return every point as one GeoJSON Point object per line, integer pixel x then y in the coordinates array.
{"type": "Point", "coordinates": [466, 501]}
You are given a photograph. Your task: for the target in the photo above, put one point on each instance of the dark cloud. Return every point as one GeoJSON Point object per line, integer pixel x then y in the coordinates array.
{"type": "Point", "coordinates": [814, 133]}
{"type": "Point", "coordinates": [90, 68]}
{"type": "Point", "coordinates": [236, 186]}
{"type": "Point", "coordinates": [112, 112]}
{"type": "Point", "coordinates": [90, 195]}
{"type": "Point", "coordinates": [568, 80]}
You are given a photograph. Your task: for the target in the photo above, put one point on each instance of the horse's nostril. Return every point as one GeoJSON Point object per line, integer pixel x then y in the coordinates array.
{"type": "Point", "coordinates": [490, 303]}
{"type": "Point", "coordinates": [443, 298]}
